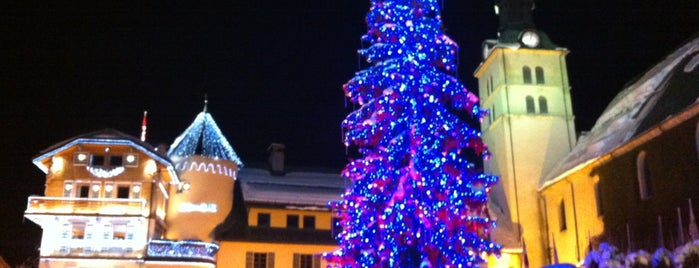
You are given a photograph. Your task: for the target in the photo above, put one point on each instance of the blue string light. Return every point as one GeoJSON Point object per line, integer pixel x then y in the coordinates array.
{"type": "Point", "coordinates": [416, 199]}
{"type": "Point", "coordinates": [213, 143]}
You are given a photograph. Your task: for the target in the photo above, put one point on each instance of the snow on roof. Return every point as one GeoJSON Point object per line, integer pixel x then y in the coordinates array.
{"type": "Point", "coordinates": [205, 132]}
{"type": "Point", "coordinates": [106, 137]}
{"type": "Point", "coordinates": [294, 188]}
{"type": "Point", "coordinates": [636, 108]}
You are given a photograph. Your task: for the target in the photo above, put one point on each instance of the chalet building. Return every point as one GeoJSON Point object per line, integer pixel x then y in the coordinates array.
{"type": "Point", "coordinates": [105, 205]}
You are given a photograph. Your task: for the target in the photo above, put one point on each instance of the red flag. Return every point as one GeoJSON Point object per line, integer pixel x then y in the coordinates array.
{"type": "Point", "coordinates": [143, 126]}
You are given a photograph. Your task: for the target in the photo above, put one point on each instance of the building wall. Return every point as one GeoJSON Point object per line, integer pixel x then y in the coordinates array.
{"type": "Point", "coordinates": [671, 161]}
{"type": "Point", "coordinates": [572, 202]}
{"type": "Point", "coordinates": [233, 254]}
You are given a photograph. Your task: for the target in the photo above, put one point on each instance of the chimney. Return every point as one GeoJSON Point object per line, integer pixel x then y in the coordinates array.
{"type": "Point", "coordinates": [276, 158]}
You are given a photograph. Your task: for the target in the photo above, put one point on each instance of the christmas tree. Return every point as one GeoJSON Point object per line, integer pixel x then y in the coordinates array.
{"type": "Point", "coordinates": [418, 198]}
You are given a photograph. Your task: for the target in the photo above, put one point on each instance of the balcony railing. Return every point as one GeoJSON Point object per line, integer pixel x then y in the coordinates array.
{"type": "Point", "coordinates": [89, 206]}
{"type": "Point", "coordinates": [182, 250]}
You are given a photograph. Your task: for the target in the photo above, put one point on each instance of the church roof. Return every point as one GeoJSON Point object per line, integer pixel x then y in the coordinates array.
{"type": "Point", "coordinates": [204, 137]}
{"type": "Point", "coordinates": [666, 89]}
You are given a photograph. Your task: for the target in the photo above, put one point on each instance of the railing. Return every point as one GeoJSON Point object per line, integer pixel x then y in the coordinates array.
{"type": "Point", "coordinates": [99, 206]}
{"type": "Point", "coordinates": [182, 250]}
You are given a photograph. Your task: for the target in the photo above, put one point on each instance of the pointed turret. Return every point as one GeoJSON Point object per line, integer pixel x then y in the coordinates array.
{"type": "Point", "coordinates": [209, 166]}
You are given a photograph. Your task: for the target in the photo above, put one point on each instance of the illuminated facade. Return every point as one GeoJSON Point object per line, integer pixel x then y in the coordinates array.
{"type": "Point", "coordinates": [283, 221]}
{"type": "Point", "coordinates": [105, 205]}
{"type": "Point", "coordinates": [523, 82]}
{"type": "Point", "coordinates": [114, 201]}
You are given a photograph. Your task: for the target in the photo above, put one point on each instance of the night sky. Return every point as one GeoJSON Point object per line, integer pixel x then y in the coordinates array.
{"type": "Point", "coordinates": [272, 70]}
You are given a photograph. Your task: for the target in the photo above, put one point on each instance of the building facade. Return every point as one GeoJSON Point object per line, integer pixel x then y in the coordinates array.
{"type": "Point", "coordinates": [630, 181]}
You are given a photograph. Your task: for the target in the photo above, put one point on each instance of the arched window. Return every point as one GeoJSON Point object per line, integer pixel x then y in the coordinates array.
{"type": "Point", "coordinates": [530, 105]}
{"type": "Point", "coordinates": [598, 199]}
{"type": "Point", "coordinates": [543, 105]}
{"type": "Point", "coordinates": [643, 176]}
{"type": "Point", "coordinates": [539, 74]}
{"type": "Point", "coordinates": [527, 74]}
{"type": "Point", "coordinates": [562, 216]}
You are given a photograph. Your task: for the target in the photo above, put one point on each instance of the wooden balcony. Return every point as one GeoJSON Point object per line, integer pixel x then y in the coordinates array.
{"type": "Point", "coordinates": [86, 206]}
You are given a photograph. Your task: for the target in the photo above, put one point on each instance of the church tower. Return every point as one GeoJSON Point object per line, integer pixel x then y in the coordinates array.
{"type": "Point", "coordinates": [523, 82]}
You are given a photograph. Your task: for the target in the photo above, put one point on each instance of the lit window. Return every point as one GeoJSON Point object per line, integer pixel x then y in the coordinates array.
{"type": "Point", "coordinates": [259, 259]}
{"type": "Point", "coordinates": [263, 220]}
{"type": "Point", "coordinates": [309, 222]}
{"type": "Point", "coordinates": [306, 261]}
{"type": "Point", "coordinates": [643, 176]}
{"type": "Point", "coordinates": [78, 231]}
{"type": "Point", "coordinates": [292, 221]}
{"type": "Point", "coordinates": [543, 105]}
{"type": "Point", "coordinates": [527, 74]}
{"type": "Point", "coordinates": [119, 231]}
{"type": "Point", "coordinates": [68, 189]}
{"type": "Point", "coordinates": [562, 216]}
{"type": "Point", "coordinates": [530, 105]}
{"type": "Point", "coordinates": [539, 72]}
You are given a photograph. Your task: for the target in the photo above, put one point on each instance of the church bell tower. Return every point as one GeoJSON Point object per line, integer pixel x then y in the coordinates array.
{"type": "Point", "coordinates": [523, 82]}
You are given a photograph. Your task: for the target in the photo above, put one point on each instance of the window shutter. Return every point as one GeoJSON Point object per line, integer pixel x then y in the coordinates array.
{"type": "Point", "coordinates": [270, 260]}
{"type": "Point", "coordinates": [316, 261]}
{"type": "Point", "coordinates": [248, 259]}
{"type": "Point", "coordinates": [297, 260]}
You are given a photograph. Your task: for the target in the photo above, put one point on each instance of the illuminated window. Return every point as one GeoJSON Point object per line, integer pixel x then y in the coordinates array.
{"type": "Point", "coordinates": [543, 105]}
{"type": "Point", "coordinates": [119, 231]}
{"type": "Point", "coordinates": [292, 221]}
{"type": "Point", "coordinates": [259, 259]}
{"type": "Point", "coordinates": [530, 104]}
{"type": "Point", "coordinates": [643, 176]}
{"type": "Point", "coordinates": [263, 220]}
{"type": "Point", "coordinates": [68, 189]}
{"type": "Point", "coordinates": [562, 216]}
{"type": "Point", "coordinates": [309, 222]}
{"type": "Point", "coordinates": [527, 74]}
{"type": "Point", "coordinates": [78, 230]}
{"type": "Point", "coordinates": [539, 72]}
{"type": "Point", "coordinates": [306, 261]}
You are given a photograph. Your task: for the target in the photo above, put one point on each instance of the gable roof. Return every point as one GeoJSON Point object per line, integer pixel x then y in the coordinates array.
{"type": "Point", "coordinates": [106, 137]}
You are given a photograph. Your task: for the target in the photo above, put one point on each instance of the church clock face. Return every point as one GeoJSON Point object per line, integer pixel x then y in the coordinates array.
{"type": "Point", "coordinates": [530, 39]}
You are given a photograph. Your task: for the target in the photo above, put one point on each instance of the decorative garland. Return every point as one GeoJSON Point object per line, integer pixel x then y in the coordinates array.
{"type": "Point", "coordinates": [104, 173]}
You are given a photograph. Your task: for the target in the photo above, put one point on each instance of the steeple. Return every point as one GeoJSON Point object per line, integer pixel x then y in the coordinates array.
{"type": "Point", "coordinates": [516, 27]}
{"type": "Point", "coordinates": [514, 14]}
{"type": "Point", "coordinates": [204, 137]}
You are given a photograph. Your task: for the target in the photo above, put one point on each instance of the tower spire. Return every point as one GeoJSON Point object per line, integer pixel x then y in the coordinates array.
{"type": "Point", "coordinates": [206, 101]}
